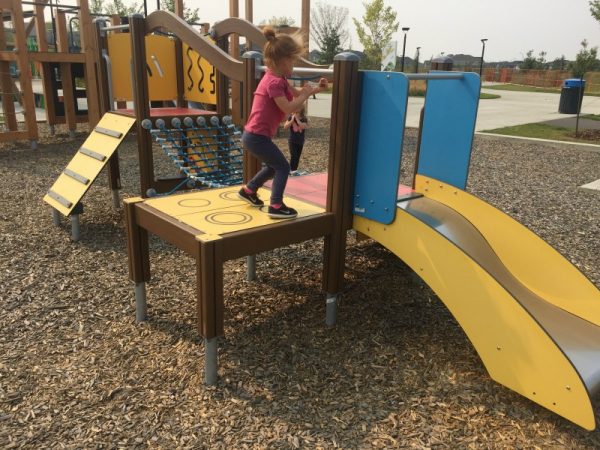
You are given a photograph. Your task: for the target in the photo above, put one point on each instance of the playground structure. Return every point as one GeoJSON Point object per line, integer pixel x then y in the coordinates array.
{"type": "Point", "coordinates": [172, 69]}
{"type": "Point", "coordinates": [533, 318]}
{"type": "Point", "coordinates": [59, 70]}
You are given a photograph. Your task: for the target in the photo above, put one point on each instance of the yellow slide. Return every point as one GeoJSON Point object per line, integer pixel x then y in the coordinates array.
{"type": "Point", "coordinates": [533, 318]}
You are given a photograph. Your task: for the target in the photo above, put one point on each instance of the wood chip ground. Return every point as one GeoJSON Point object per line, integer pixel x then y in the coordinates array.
{"type": "Point", "coordinates": [76, 371]}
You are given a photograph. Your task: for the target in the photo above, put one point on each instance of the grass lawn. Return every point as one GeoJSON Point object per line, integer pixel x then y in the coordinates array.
{"type": "Point", "coordinates": [486, 96]}
{"type": "Point", "coordinates": [591, 116]}
{"type": "Point", "coordinates": [524, 88]}
{"type": "Point", "coordinates": [542, 131]}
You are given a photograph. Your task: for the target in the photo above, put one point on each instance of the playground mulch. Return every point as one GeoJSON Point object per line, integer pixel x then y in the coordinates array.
{"type": "Point", "coordinates": [76, 371]}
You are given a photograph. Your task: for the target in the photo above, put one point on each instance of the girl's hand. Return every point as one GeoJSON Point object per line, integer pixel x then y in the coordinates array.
{"type": "Point", "coordinates": [307, 90]}
{"type": "Point", "coordinates": [323, 83]}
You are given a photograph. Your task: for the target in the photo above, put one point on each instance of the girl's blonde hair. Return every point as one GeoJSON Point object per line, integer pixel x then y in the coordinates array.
{"type": "Point", "coordinates": [280, 45]}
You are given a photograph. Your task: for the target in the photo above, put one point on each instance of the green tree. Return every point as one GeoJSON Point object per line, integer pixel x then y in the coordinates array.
{"type": "Point", "coordinates": [375, 32]}
{"type": "Point", "coordinates": [595, 9]}
{"type": "Point", "coordinates": [585, 61]}
{"type": "Point", "coordinates": [532, 62]}
{"type": "Point", "coordinates": [279, 22]}
{"type": "Point", "coordinates": [559, 63]}
{"type": "Point", "coordinates": [96, 6]}
{"type": "Point", "coordinates": [328, 29]}
{"type": "Point", "coordinates": [122, 8]}
{"type": "Point", "coordinates": [189, 15]}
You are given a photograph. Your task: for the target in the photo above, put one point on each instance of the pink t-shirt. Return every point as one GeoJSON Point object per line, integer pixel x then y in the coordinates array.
{"type": "Point", "coordinates": [266, 115]}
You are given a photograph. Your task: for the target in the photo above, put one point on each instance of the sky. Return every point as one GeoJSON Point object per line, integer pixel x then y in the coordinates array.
{"type": "Point", "coordinates": [512, 27]}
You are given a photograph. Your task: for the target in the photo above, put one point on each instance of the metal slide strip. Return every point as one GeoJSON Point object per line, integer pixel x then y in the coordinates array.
{"type": "Point", "coordinates": [92, 154]}
{"type": "Point", "coordinates": [76, 176]}
{"type": "Point", "coordinates": [108, 132]}
{"type": "Point", "coordinates": [60, 199]}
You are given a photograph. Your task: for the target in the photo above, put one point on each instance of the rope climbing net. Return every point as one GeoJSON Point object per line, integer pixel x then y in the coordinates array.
{"type": "Point", "coordinates": [209, 153]}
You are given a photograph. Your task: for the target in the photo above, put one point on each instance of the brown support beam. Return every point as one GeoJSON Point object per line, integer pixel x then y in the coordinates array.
{"type": "Point", "coordinates": [137, 30]}
{"type": "Point", "coordinates": [25, 75]}
{"type": "Point", "coordinates": [250, 18]}
{"type": "Point", "coordinates": [86, 31]}
{"type": "Point", "coordinates": [181, 103]}
{"type": "Point", "coordinates": [306, 25]}
{"type": "Point", "coordinates": [222, 83]}
{"type": "Point", "coordinates": [6, 84]}
{"type": "Point", "coordinates": [209, 288]}
{"type": "Point", "coordinates": [66, 75]}
{"type": "Point", "coordinates": [344, 119]}
{"type": "Point", "coordinates": [137, 244]}
{"type": "Point", "coordinates": [234, 50]}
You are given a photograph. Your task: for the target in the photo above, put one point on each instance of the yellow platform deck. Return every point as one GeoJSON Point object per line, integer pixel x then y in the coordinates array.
{"type": "Point", "coordinates": [221, 211]}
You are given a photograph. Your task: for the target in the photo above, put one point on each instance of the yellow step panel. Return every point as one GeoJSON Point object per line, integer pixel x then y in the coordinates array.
{"type": "Point", "coordinates": [515, 350]}
{"type": "Point", "coordinates": [220, 211]}
{"type": "Point", "coordinates": [532, 261]}
{"type": "Point", "coordinates": [87, 163]}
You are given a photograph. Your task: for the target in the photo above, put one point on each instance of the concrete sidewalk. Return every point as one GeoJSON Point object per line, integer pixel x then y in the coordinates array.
{"type": "Point", "coordinates": [512, 108]}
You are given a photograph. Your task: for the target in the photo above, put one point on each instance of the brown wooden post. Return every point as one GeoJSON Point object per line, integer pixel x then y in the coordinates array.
{"type": "Point", "coordinates": [306, 24]}
{"type": "Point", "coordinates": [234, 50]}
{"type": "Point", "coordinates": [66, 75]}
{"type": "Point", "coordinates": [344, 119]}
{"type": "Point", "coordinates": [249, 13]}
{"type": "Point", "coordinates": [179, 59]}
{"type": "Point", "coordinates": [209, 300]}
{"type": "Point", "coordinates": [138, 256]}
{"type": "Point", "coordinates": [8, 92]}
{"type": "Point", "coordinates": [86, 31]}
{"type": "Point", "coordinates": [25, 75]}
{"type": "Point", "coordinates": [251, 60]}
{"type": "Point", "coordinates": [222, 82]}
{"type": "Point", "coordinates": [137, 29]}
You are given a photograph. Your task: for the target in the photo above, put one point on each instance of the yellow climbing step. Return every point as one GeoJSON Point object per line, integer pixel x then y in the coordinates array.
{"type": "Point", "coordinates": [72, 184]}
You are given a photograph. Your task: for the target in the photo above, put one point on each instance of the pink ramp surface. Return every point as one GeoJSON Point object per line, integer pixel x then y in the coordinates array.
{"type": "Point", "coordinates": [313, 188]}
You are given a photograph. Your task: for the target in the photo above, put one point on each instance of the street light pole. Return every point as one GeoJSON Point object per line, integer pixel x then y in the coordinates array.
{"type": "Point", "coordinates": [417, 60]}
{"type": "Point", "coordinates": [482, 53]}
{"type": "Point", "coordinates": [405, 29]}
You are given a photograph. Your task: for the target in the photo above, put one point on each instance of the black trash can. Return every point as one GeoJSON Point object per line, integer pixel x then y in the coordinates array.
{"type": "Point", "coordinates": [571, 96]}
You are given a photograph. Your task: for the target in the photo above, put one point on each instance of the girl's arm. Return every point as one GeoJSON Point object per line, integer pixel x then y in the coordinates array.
{"type": "Point", "coordinates": [289, 107]}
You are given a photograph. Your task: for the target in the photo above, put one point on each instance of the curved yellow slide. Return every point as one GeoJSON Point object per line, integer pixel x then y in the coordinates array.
{"type": "Point", "coordinates": [529, 313]}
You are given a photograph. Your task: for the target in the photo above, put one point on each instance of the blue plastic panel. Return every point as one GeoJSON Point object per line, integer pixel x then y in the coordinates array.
{"type": "Point", "coordinates": [380, 135]}
{"type": "Point", "coordinates": [448, 127]}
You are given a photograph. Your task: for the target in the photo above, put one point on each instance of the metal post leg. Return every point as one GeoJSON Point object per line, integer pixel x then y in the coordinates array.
{"type": "Point", "coordinates": [52, 130]}
{"type": "Point", "coordinates": [71, 134]}
{"type": "Point", "coordinates": [331, 309]}
{"type": "Point", "coordinates": [34, 145]}
{"type": "Point", "coordinates": [210, 361]}
{"type": "Point", "coordinates": [140, 302]}
{"type": "Point", "coordinates": [251, 268]}
{"type": "Point", "coordinates": [115, 198]}
{"type": "Point", "coordinates": [75, 227]}
{"type": "Point", "coordinates": [56, 217]}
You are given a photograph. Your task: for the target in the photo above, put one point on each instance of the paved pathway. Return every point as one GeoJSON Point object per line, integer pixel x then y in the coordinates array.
{"type": "Point", "coordinates": [512, 108]}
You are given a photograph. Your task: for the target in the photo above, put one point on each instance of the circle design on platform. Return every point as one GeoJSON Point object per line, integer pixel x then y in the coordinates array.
{"type": "Point", "coordinates": [193, 202]}
{"type": "Point", "coordinates": [230, 195]}
{"type": "Point", "coordinates": [228, 218]}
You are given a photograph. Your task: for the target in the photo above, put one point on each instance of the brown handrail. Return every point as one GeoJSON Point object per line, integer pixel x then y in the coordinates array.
{"type": "Point", "coordinates": [250, 31]}
{"type": "Point", "coordinates": [168, 21]}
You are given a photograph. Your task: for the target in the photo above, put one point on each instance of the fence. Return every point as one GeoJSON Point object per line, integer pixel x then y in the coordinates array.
{"type": "Point", "coordinates": [546, 79]}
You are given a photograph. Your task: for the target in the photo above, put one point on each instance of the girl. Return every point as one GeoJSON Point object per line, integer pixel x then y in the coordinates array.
{"type": "Point", "coordinates": [297, 123]}
{"type": "Point", "coordinates": [274, 99]}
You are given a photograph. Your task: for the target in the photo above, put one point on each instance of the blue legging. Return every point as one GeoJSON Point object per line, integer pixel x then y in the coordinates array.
{"type": "Point", "coordinates": [275, 166]}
